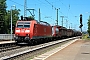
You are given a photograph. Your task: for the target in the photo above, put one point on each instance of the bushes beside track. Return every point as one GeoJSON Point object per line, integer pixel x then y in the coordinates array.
{"type": "Point", "coordinates": [85, 37]}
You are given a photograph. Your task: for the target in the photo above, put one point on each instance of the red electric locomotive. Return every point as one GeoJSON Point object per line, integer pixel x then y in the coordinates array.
{"type": "Point", "coordinates": [32, 31]}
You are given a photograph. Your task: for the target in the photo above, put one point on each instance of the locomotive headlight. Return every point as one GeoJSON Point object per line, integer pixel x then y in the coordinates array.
{"type": "Point", "coordinates": [27, 31]}
{"type": "Point", "coordinates": [17, 30]}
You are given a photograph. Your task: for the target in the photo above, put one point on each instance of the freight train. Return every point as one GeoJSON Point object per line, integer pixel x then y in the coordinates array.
{"type": "Point", "coordinates": [32, 31]}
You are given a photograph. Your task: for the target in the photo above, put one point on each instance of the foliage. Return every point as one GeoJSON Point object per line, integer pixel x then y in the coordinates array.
{"type": "Point", "coordinates": [5, 17]}
{"type": "Point", "coordinates": [88, 26]}
{"type": "Point", "coordinates": [15, 17]}
{"type": "Point", "coordinates": [31, 17]}
{"type": "Point", "coordinates": [85, 37]}
{"type": "Point", "coordinates": [2, 15]}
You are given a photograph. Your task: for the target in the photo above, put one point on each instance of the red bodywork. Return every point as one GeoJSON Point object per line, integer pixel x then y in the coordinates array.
{"type": "Point", "coordinates": [42, 31]}
{"type": "Point", "coordinates": [35, 31]}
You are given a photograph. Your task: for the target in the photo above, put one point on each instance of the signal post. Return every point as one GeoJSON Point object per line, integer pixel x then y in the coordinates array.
{"type": "Point", "coordinates": [81, 22]}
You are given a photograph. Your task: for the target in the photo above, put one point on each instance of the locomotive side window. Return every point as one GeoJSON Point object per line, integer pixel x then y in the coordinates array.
{"type": "Point", "coordinates": [34, 25]}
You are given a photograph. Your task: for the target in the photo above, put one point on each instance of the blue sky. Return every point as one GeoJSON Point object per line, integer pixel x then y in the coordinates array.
{"type": "Point", "coordinates": [70, 9]}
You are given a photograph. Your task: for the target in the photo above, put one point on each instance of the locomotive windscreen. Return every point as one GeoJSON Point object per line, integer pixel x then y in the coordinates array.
{"type": "Point", "coordinates": [23, 25]}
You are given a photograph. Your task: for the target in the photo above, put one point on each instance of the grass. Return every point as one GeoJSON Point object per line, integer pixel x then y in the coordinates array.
{"type": "Point", "coordinates": [85, 37]}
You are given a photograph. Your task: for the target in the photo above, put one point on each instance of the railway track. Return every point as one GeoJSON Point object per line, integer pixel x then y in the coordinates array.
{"type": "Point", "coordinates": [9, 48]}
{"type": "Point", "coordinates": [31, 51]}
{"type": "Point", "coordinates": [4, 47]}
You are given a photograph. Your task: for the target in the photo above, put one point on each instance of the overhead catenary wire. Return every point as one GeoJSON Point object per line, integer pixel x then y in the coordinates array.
{"type": "Point", "coordinates": [67, 7]}
{"type": "Point", "coordinates": [41, 2]}
{"type": "Point", "coordinates": [53, 6]}
{"type": "Point", "coordinates": [16, 2]}
{"type": "Point", "coordinates": [23, 6]}
{"type": "Point", "coordinates": [36, 10]}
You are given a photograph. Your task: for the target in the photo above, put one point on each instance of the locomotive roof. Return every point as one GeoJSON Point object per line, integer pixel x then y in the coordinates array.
{"type": "Point", "coordinates": [30, 19]}
{"type": "Point", "coordinates": [41, 22]}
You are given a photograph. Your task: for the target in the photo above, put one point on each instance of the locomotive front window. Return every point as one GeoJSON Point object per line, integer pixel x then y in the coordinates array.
{"type": "Point", "coordinates": [23, 24]}
{"type": "Point", "coordinates": [26, 26]}
{"type": "Point", "coordinates": [27, 23]}
{"type": "Point", "coordinates": [20, 23]}
{"type": "Point", "coordinates": [20, 26]}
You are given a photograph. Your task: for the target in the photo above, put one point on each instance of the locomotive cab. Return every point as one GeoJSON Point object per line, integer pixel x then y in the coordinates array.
{"type": "Point", "coordinates": [23, 31]}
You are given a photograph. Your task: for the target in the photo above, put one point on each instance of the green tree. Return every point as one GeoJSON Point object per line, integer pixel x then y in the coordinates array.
{"type": "Point", "coordinates": [2, 15]}
{"type": "Point", "coordinates": [31, 17]}
{"type": "Point", "coordinates": [15, 17]}
{"type": "Point", "coordinates": [88, 26]}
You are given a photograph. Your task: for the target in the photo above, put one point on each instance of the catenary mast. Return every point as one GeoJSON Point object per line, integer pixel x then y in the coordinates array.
{"type": "Point", "coordinates": [25, 8]}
